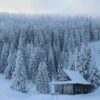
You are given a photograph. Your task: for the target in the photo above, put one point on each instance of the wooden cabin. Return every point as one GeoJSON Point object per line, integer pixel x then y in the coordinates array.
{"type": "Point", "coordinates": [70, 82]}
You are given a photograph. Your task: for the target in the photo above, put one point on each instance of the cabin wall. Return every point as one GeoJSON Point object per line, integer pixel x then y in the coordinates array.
{"type": "Point", "coordinates": [64, 89]}
{"type": "Point", "coordinates": [81, 89]}
{"type": "Point", "coordinates": [71, 89]}
{"type": "Point", "coordinates": [58, 89]}
{"type": "Point", "coordinates": [68, 89]}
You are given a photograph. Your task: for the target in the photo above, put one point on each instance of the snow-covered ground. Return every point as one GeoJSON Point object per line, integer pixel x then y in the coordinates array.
{"type": "Point", "coordinates": [6, 93]}
{"type": "Point", "coordinates": [95, 47]}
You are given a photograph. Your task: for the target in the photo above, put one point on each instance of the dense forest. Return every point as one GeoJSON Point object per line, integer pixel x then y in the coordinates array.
{"type": "Point", "coordinates": [36, 48]}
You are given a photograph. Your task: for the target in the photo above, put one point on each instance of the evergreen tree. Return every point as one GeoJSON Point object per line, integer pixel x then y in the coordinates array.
{"type": "Point", "coordinates": [94, 76]}
{"type": "Point", "coordinates": [4, 57]}
{"type": "Point", "coordinates": [86, 65]}
{"type": "Point", "coordinates": [28, 52]}
{"type": "Point", "coordinates": [51, 64]}
{"type": "Point", "coordinates": [71, 61]}
{"type": "Point", "coordinates": [85, 61]}
{"type": "Point", "coordinates": [42, 79]}
{"type": "Point", "coordinates": [36, 56]}
{"type": "Point", "coordinates": [77, 60]}
{"type": "Point", "coordinates": [19, 76]}
{"type": "Point", "coordinates": [1, 44]}
{"type": "Point", "coordinates": [11, 62]}
{"type": "Point", "coordinates": [56, 52]}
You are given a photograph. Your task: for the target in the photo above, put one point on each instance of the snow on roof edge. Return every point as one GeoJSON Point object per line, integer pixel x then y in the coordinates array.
{"type": "Point", "coordinates": [67, 82]}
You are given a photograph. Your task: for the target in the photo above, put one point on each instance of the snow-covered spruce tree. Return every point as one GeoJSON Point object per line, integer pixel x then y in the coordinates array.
{"type": "Point", "coordinates": [71, 61]}
{"type": "Point", "coordinates": [78, 41]}
{"type": "Point", "coordinates": [4, 57]}
{"type": "Point", "coordinates": [51, 64]}
{"type": "Point", "coordinates": [1, 44]}
{"type": "Point", "coordinates": [62, 60]}
{"type": "Point", "coordinates": [74, 62]}
{"type": "Point", "coordinates": [28, 52]}
{"type": "Point", "coordinates": [11, 62]}
{"type": "Point", "coordinates": [93, 29]}
{"type": "Point", "coordinates": [77, 61]}
{"type": "Point", "coordinates": [19, 76]}
{"type": "Point", "coordinates": [84, 63]}
{"type": "Point", "coordinates": [56, 52]}
{"type": "Point", "coordinates": [71, 43]}
{"type": "Point", "coordinates": [36, 56]}
{"type": "Point", "coordinates": [42, 79]}
{"type": "Point", "coordinates": [94, 76]}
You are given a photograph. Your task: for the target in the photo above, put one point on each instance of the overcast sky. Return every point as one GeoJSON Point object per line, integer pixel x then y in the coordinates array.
{"type": "Point", "coordinates": [66, 7]}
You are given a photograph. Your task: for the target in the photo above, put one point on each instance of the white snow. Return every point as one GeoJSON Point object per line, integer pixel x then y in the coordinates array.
{"type": "Point", "coordinates": [67, 82]}
{"type": "Point", "coordinates": [8, 94]}
{"type": "Point", "coordinates": [76, 77]}
{"type": "Point", "coordinates": [95, 48]}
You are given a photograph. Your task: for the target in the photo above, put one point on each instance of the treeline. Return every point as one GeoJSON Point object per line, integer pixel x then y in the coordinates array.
{"type": "Point", "coordinates": [36, 48]}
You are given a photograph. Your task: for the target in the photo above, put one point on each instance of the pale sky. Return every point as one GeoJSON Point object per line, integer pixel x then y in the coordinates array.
{"type": "Point", "coordinates": [63, 7]}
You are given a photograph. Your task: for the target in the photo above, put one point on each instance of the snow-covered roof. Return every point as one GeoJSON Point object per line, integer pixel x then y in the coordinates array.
{"type": "Point", "coordinates": [75, 77]}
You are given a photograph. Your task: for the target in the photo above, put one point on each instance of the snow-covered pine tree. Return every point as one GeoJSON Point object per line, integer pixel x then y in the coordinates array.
{"type": "Point", "coordinates": [42, 79]}
{"type": "Point", "coordinates": [85, 64]}
{"type": "Point", "coordinates": [33, 63]}
{"type": "Point", "coordinates": [28, 52]}
{"type": "Point", "coordinates": [56, 52]}
{"type": "Point", "coordinates": [62, 60]}
{"type": "Point", "coordinates": [4, 57]}
{"type": "Point", "coordinates": [77, 56]}
{"type": "Point", "coordinates": [71, 61]}
{"type": "Point", "coordinates": [1, 44]}
{"type": "Point", "coordinates": [66, 47]}
{"type": "Point", "coordinates": [94, 76]}
{"type": "Point", "coordinates": [36, 56]}
{"type": "Point", "coordinates": [85, 61]}
{"type": "Point", "coordinates": [78, 41]}
{"type": "Point", "coordinates": [19, 76]}
{"type": "Point", "coordinates": [93, 30]}
{"type": "Point", "coordinates": [51, 64]}
{"type": "Point", "coordinates": [11, 62]}
{"type": "Point", "coordinates": [71, 43]}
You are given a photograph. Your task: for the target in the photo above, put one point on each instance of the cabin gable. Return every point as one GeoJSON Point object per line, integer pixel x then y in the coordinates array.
{"type": "Point", "coordinates": [63, 77]}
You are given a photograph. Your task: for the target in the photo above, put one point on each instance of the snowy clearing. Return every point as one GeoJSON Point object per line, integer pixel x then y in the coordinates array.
{"type": "Point", "coordinates": [8, 94]}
